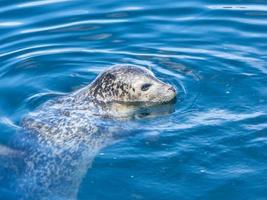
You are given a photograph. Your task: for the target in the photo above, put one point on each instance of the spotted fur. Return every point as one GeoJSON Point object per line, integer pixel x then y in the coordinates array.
{"type": "Point", "coordinates": [61, 138]}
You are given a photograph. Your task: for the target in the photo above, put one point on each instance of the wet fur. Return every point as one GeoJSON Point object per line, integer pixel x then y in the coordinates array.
{"type": "Point", "coordinates": [61, 138]}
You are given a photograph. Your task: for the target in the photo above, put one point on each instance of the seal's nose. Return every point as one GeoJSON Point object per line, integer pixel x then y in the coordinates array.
{"type": "Point", "coordinates": [172, 89]}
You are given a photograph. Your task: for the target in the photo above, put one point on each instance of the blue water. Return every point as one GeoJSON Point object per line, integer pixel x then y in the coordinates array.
{"type": "Point", "coordinates": [215, 53]}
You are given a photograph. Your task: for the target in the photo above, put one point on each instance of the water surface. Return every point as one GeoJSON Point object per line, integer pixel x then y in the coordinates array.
{"type": "Point", "coordinates": [212, 147]}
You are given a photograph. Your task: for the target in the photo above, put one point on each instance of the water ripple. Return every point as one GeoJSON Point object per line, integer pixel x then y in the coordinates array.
{"type": "Point", "coordinates": [214, 53]}
{"type": "Point", "coordinates": [10, 23]}
{"type": "Point", "coordinates": [238, 7]}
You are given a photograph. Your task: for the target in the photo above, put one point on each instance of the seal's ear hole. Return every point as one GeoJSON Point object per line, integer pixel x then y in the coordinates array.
{"type": "Point", "coordinates": [145, 86]}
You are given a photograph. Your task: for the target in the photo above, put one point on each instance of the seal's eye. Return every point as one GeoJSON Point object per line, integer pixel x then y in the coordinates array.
{"type": "Point", "coordinates": [145, 86]}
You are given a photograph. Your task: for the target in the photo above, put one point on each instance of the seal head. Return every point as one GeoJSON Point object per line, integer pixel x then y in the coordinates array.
{"type": "Point", "coordinates": [131, 85]}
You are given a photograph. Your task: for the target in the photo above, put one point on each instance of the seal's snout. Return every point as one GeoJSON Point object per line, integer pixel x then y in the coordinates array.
{"type": "Point", "coordinates": [166, 93]}
{"type": "Point", "coordinates": [171, 93]}
{"type": "Point", "coordinates": [172, 89]}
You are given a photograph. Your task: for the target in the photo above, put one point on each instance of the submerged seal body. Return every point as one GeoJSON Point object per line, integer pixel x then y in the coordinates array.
{"type": "Point", "coordinates": [60, 139]}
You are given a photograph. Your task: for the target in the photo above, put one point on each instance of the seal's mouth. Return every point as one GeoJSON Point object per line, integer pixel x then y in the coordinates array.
{"type": "Point", "coordinates": [141, 109]}
{"type": "Point", "coordinates": [168, 94]}
{"type": "Point", "coordinates": [156, 110]}
{"type": "Point", "coordinates": [171, 101]}
{"type": "Point", "coordinates": [147, 103]}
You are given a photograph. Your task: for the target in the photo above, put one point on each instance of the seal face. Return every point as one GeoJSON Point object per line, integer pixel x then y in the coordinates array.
{"type": "Point", "coordinates": [131, 84]}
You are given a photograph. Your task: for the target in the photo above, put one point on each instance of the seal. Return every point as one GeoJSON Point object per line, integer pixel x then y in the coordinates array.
{"type": "Point", "coordinates": [60, 139]}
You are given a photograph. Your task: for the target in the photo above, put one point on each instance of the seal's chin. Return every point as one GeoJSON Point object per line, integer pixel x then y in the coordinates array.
{"type": "Point", "coordinates": [154, 111]}
{"type": "Point", "coordinates": [141, 109]}
{"type": "Point", "coordinates": [169, 98]}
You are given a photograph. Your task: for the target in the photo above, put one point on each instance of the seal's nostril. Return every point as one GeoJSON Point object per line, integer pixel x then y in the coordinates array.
{"type": "Point", "coordinates": [172, 89]}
